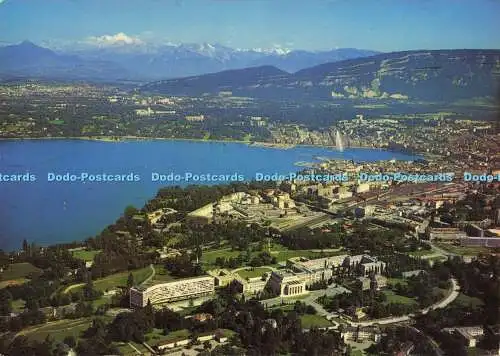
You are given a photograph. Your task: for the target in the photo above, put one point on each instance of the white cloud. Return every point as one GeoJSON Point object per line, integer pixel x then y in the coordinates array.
{"type": "Point", "coordinates": [117, 39]}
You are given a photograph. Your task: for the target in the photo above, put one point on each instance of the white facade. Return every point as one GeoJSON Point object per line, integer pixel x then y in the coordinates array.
{"type": "Point", "coordinates": [286, 284]}
{"type": "Point", "coordinates": [172, 291]}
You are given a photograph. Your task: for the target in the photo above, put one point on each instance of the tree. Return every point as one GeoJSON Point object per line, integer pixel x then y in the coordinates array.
{"type": "Point", "coordinates": [70, 341]}
{"type": "Point", "coordinates": [373, 286]}
{"type": "Point", "coordinates": [129, 212]}
{"type": "Point", "coordinates": [5, 302]}
{"type": "Point", "coordinates": [130, 280]}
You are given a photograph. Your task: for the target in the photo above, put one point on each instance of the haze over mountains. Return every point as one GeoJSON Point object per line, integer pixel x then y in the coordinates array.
{"type": "Point", "coordinates": [438, 75]}
{"type": "Point", "coordinates": [138, 62]}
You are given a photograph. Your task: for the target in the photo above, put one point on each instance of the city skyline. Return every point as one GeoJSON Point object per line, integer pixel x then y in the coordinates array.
{"type": "Point", "coordinates": [387, 25]}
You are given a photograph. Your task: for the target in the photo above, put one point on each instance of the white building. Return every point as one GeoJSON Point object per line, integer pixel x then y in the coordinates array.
{"type": "Point", "coordinates": [318, 270]}
{"type": "Point", "coordinates": [172, 291]}
{"type": "Point", "coordinates": [286, 283]}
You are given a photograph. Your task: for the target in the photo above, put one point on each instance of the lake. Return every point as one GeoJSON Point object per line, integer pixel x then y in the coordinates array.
{"type": "Point", "coordinates": [53, 212]}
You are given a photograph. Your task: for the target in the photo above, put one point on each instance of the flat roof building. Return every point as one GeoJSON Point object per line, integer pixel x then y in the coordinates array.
{"type": "Point", "coordinates": [172, 291]}
{"type": "Point", "coordinates": [286, 283]}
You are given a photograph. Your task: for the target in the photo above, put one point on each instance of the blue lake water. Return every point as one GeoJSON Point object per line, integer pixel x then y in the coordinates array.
{"type": "Point", "coordinates": [53, 212]}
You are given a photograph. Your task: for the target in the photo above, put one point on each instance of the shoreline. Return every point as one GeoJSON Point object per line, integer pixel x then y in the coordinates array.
{"type": "Point", "coordinates": [284, 146]}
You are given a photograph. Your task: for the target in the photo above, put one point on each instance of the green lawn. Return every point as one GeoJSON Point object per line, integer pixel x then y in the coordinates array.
{"type": "Point", "coordinates": [162, 275]}
{"type": "Point", "coordinates": [58, 330]}
{"type": "Point", "coordinates": [13, 282]}
{"type": "Point", "coordinates": [115, 280]}
{"type": "Point", "coordinates": [308, 321]}
{"type": "Point", "coordinates": [227, 333]}
{"type": "Point", "coordinates": [281, 253]}
{"type": "Point", "coordinates": [85, 255]}
{"type": "Point", "coordinates": [253, 272]}
{"type": "Point", "coordinates": [437, 259]}
{"type": "Point", "coordinates": [398, 299]}
{"type": "Point", "coordinates": [156, 336]}
{"type": "Point", "coordinates": [56, 122]}
{"type": "Point", "coordinates": [422, 252]}
{"type": "Point", "coordinates": [209, 257]}
{"type": "Point", "coordinates": [18, 305]}
{"type": "Point", "coordinates": [105, 299]}
{"type": "Point", "coordinates": [17, 271]}
{"type": "Point", "coordinates": [120, 279]}
{"type": "Point", "coordinates": [127, 350]}
{"type": "Point", "coordinates": [394, 281]}
{"type": "Point", "coordinates": [285, 307]}
{"type": "Point", "coordinates": [462, 250]}
{"type": "Point", "coordinates": [466, 301]}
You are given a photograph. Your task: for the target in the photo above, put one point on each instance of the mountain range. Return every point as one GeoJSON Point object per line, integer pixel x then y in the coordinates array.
{"type": "Point", "coordinates": [138, 62]}
{"type": "Point", "coordinates": [430, 75]}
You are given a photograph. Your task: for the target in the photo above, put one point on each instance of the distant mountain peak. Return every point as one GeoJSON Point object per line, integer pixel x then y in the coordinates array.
{"type": "Point", "coordinates": [155, 61]}
{"type": "Point", "coordinates": [27, 43]}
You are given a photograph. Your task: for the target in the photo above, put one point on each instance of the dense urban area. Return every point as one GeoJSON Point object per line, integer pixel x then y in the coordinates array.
{"type": "Point", "coordinates": [378, 266]}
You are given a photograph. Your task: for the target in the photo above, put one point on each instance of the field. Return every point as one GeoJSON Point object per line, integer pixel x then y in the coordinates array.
{"type": "Point", "coordinates": [120, 279]}
{"type": "Point", "coordinates": [393, 281]}
{"type": "Point", "coordinates": [156, 336]}
{"type": "Point", "coordinates": [253, 272]}
{"type": "Point", "coordinates": [58, 330]}
{"type": "Point", "coordinates": [462, 250]}
{"type": "Point", "coordinates": [281, 253]}
{"type": "Point", "coordinates": [130, 348]}
{"type": "Point", "coordinates": [422, 252]}
{"type": "Point", "coordinates": [13, 282]}
{"type": "Point", "coordinates": [17, 271]}
{"type": "Point", "coordinates": [466, 301]}
{"type": "Point", "coordinates": [85, 255]}
{"type": "Point", "coordinates": [209, 257]}
{"type": "Point", "coordinates": [161, 274]}
{"type": "Point", "coordinates": [18, 305]}
{"type": "Point", "coordinates": [284, 254]}
{"type": "Point", "coordinates": [308, 321]}
{"type": "Point", "coordinates": [115, 280]}
{"type": "Point", "coordinates": [398, 299]}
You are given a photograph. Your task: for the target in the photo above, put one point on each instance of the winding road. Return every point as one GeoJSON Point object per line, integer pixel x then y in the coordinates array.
{"type": "Point", "coordinates": [455, 290]}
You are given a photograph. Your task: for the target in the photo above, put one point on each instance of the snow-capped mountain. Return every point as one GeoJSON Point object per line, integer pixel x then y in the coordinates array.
{"type": "Point", "coordinates": [147, 61]}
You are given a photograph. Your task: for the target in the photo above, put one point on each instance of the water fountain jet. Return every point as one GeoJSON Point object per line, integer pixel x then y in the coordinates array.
{"type": "Point", "coordinates": [338, 141]}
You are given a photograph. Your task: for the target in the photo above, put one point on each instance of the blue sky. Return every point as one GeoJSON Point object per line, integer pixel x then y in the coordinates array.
{"type": "Point", "coordinates": [385, 25]}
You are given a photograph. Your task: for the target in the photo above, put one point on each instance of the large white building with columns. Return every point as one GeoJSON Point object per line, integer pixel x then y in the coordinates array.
{"type": "Point", "coordinates": [285, 283]}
